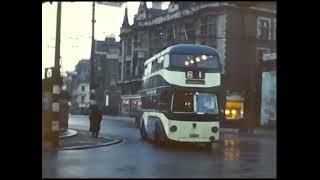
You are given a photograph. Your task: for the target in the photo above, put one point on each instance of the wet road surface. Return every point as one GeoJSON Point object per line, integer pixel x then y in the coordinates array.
{"type": "Point", "coordinates": [236, 156]}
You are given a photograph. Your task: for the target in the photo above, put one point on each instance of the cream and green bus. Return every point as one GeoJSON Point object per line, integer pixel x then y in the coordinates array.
{"type": "Point", "coordinates": [182, 99]}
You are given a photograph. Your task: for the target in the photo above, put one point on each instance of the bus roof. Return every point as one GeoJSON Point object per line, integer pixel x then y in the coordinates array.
{"type": "Point", "coordinates": [186, 49]}
{"type": "Point", "coordinates": [190, 49]}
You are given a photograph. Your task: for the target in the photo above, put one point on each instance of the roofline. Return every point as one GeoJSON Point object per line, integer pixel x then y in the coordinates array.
{"type": "Point", "coordinates": [197, 8]}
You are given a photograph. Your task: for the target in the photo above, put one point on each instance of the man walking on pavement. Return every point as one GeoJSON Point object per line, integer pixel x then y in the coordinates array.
{"type": "Point", "coordinates": [95, 118]}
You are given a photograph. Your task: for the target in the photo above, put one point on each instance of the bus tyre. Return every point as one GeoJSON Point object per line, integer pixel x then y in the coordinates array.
{"type": "Point", "coordinates": [157, 139]}
{"type": "Point", "coordinates": [143, 132]}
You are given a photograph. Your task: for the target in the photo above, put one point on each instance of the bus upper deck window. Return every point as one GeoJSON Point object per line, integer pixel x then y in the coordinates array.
{"type": "Point", "coordinates": [166, 61]}
{"type": "Point", "coordinates": [149, 68]}
{"type": "Point", "coordinates": [160, 59]}
{"type": "Point", "coordinates": [145, 69]}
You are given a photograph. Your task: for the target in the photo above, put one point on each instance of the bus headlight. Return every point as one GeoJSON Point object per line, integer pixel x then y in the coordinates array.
{"type": "Point", "coordinates": [227, 112]}
{"type": "Point", "coordinates": [204, 57]}
{"type": "Point", "coordinates": [233, 112]}
{"type": "Point", "coordinates": [173, 128]}
{"type": "Point", "coordinates": [214, 129]}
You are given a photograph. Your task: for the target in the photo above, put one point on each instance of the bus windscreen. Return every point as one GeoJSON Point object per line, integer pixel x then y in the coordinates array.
{"type": "Point", "coordinates": [194, 102]}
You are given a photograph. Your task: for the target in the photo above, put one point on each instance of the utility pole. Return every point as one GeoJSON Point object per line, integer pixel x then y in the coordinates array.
{"type": "Point", "coordinates": [92, 79]}
{"type": "Point", "coordinates": [58, 30]}
{"type": "Point", "coordinates": [56, 84]}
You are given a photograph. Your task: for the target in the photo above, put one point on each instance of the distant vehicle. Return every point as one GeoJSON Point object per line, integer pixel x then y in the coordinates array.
{"type": "Point", "coordinates": [130, 106]}
{"type": "Point", "coordinates": [112, 102]}
{"type": "Point", "coordinates": [182, 99]}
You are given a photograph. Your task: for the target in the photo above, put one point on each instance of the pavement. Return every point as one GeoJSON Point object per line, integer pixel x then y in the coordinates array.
{"type": "Point", "coordinates": [72, 139]}
{"type": "Point", "coordinates": [67, 133]}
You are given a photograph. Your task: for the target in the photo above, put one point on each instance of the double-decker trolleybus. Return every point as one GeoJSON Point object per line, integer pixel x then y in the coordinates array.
{"type": "Point", "coordinates": [182, 98]}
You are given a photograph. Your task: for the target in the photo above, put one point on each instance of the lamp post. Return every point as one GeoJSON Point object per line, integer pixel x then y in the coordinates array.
{"type": "Point", "coordinates": [92, 57]}
{"type": "Point", "coordinates": [92, 79]}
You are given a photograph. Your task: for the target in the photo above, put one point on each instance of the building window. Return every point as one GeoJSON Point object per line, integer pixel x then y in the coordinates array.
{"type": "Point", "coordinates": [119, 70]}
{"type": "Point", "coordinates": [208, 30]}
{"type": "Point", "coordinates": [203, 26]}
{"type": "Point", "coordinates": [168, 34]}
{"type": "Point", "coordinates": [134, 63]}
{"type": "Point", "coordinates": [99, 68]}
{"type": "Point", "coordinates": [127, 69]}
{"type": "Point", "coordinates": [161, 34]}
{"type": "Point", "coordinates": [113, 51]}
{"type": "Point", "coordinates": [260, 52]}
{"type": "Point", "coordinates": [114, 78]}
{"type": "Point", "coordinates": [83, 87]}
{"type": "Point", "coordinates": [211, 25]}
{"type": "Point", "coordinates": [141, 54]}
{"type": "Point", "coordinates": [274, 29]}
{"type": "Point", "coordinates": [190, 32]}
{"type": "Point", "coordinates": [264, 28]}
{"type": "Point", "coordinates": [129, 47]}
{"type": "Point", "coordinates": [82, 99]}
{"type": "Point", "coordinates": [156, 39]}
{"type": "Point", "coordinates": [140, 68]}
{"type": "Point", "coordinates": [137, 41]}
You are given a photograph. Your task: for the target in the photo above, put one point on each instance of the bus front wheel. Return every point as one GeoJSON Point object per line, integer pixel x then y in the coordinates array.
{"type": "Point", "coordinates": [160, 138]}
{"type": "Point", "coordinates": [143, 132]}
{"type": "Point", "coordinates": [157, 139]}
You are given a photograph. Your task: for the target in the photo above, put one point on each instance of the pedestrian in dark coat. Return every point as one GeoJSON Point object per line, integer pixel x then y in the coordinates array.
{"type": "Point", "coordinates": [95, 118]}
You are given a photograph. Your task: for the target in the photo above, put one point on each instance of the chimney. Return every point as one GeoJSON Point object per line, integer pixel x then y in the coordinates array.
{"type": "Point", "coordinates": [156, 5]}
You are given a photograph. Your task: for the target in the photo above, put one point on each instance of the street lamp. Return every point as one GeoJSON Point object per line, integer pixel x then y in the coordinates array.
{"type": "Point", "coordinates": [92, 79]}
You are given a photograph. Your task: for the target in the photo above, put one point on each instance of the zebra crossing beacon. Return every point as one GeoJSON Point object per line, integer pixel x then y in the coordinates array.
{"type": "Point", "coordinates": [182, 98]}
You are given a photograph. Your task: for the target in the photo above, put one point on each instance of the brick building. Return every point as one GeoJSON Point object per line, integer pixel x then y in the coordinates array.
{"type": "Point", "coordinates": [241, 34]}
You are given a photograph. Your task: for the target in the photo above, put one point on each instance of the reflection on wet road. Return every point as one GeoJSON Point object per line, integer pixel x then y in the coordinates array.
{"type": "Point", "coordinates": [235, 156]}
